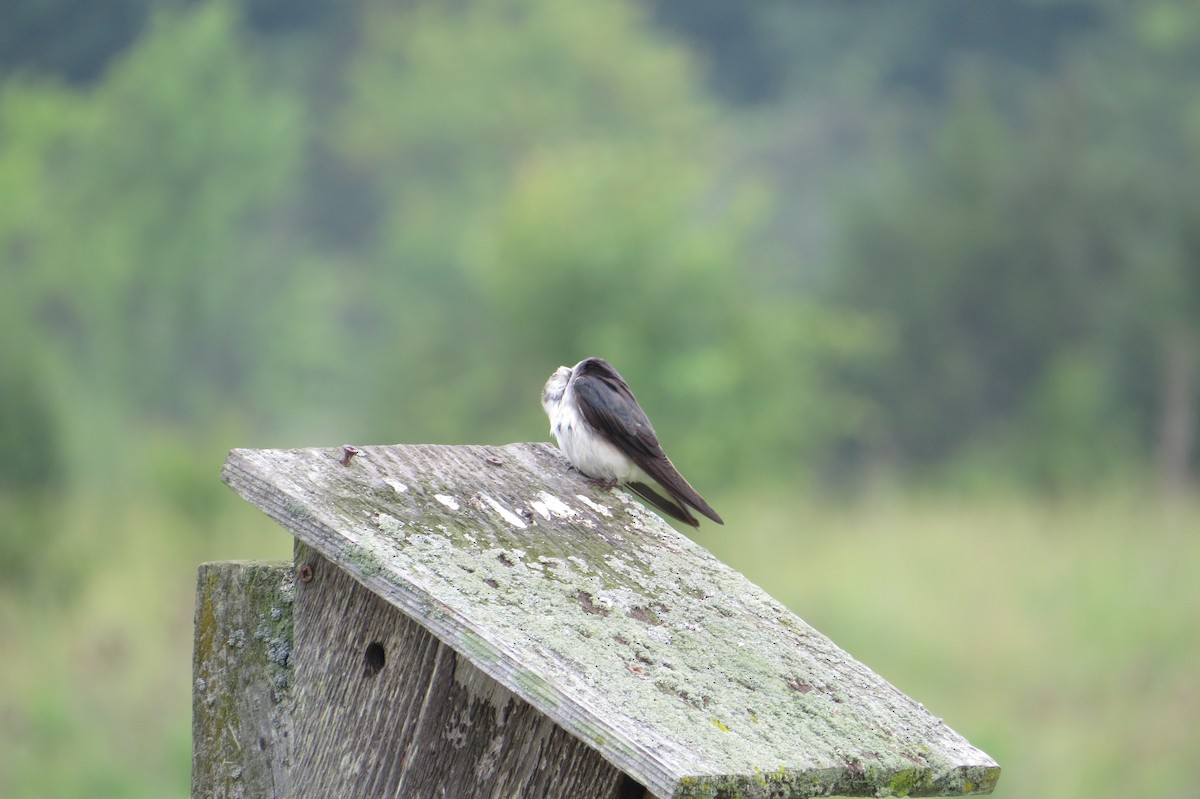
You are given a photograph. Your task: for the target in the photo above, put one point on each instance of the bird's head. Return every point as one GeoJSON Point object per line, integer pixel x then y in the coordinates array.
{"type": "Point", "coordinates": [555, 387]}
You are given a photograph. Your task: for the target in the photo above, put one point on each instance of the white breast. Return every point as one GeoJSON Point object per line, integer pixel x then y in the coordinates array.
{"type": "Point", "coordinates": [587, 449]}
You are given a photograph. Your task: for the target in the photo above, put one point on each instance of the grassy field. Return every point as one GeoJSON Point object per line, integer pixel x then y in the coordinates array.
{"type": "Point", "coordinates": [1060, 637]}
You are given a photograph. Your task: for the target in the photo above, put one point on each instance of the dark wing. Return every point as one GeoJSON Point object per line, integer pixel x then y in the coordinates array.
{"type": "Point", "coordinates": [675, 510]}
{"type": "Point", "coordinates": [609, 406]}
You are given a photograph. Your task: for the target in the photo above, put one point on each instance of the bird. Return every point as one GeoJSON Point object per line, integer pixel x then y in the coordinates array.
{"type": "Point", "coordinates": [607, 436]}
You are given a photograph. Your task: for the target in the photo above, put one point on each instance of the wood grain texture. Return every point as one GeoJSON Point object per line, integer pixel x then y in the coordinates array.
{"type": "Point", "coordinates": [673, 667]}
{"type": "Point", "coordinates": [385, 709]}
{"type": "Point", "coordinates": [241, 699]}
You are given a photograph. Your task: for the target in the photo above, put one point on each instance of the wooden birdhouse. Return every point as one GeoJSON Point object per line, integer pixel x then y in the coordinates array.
{"type": "Point", "coordinates": [471, 621]}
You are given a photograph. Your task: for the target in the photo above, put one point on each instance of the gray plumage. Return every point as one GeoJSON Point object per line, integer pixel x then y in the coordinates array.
{"type": "Point", "coordinates": [606, 435]}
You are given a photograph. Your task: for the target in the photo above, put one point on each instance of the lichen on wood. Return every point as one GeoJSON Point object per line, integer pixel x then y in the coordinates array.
{"type": "Point", "coordinates": [625, 633]}
{"type": "Point", "coordinates": [242, 680]}
{"type": "Point", "coordinates": [383, 708]}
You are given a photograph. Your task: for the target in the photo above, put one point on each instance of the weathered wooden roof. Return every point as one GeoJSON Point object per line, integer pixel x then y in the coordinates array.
{"type": "Point", "coordinates": [676, 668]}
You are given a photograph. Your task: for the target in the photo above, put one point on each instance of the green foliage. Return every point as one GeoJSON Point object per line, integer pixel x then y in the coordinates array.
{"type": "Point", "coordinates": [459, 91]}
{"type": "Point", "coordinates": [565, 194]}
{"type": "Point", "coordinates": [147, 246]}
{"type": "Point", "coordinates": [220, 237]}
{"type": "Point", "coordinates": [779, 48]}
{"type": "Point", "coordinates": [1046, 632]}
{"type": "Point", "coordinates": [455, 110]}
{"type": "Point", "coordinates": [30, 452]}
{"type": "Point", "coordinates": [183, 129]}
{"type": "Point", "coordinates": [73, 39]}
{"type": "Point", "coordinates": [1027, 262]}
{"type": "Point", "coordinates": [258, 224]}
{"type": "Point", "coordinates": [447, 103]}
{"type": "Point", "coordinates": [615, 255]}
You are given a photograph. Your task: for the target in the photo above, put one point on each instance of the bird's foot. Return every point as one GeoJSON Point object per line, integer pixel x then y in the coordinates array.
{"type": "Point", "coordinates": [599, 483]}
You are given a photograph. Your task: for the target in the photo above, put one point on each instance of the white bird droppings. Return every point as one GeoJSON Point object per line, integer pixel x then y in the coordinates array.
{"type": "Point", "coordinates": [504, 512]}
{"type": "Point", "coordinates": [550, 505]}
{"type": "Point", "coordinates": [448, 501]}
{"type": "Point", "coordinates": [601, 509]}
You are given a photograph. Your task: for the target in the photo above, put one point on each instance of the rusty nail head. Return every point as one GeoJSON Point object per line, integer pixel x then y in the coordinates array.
{"type": "Point", "coordinates": [306, 573]}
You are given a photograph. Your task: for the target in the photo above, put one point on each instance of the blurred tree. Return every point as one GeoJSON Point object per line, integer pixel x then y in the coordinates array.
{"type": "Point", "coordinates": [1038, 269]}
{"type": "Point", "coordinates": [440, 204]}
{"type": "Point", "coordinates": [282, 16]}
{"type": "Point", "coordinates": [551, 173]}
{"type": "Point", "coordinates": [763, 52]}
{"type": "Point", "coordinates": [452, 107]}
{"type": "Point", "coordinates": [1147, 104]}
{"type": "Point", "coordinates": [70, 39]}
{"type": "Point", "coordinates": [968, 249]}
{"type": "Point", "coordinates": [33, 127]}
{"type": "Point", "coordinates": [30, 450]}
{"type": "Point", "coordinates": [626, 252]}
{"type": "Point", "coordinates": [76, 40]}
{"type": "Point", "coordinates": [147, 246]}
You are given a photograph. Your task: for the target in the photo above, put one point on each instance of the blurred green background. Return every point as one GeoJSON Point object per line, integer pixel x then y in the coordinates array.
{"type": "Point", "coordinates": [911, 291]}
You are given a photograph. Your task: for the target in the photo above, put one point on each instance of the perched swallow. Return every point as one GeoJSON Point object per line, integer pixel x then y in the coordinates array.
{"type": "Point", "coordinates": [605, 434]}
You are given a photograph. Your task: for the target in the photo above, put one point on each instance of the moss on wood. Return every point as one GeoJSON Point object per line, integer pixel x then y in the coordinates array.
{"type": "Point", "coordinates": [587, 605]}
